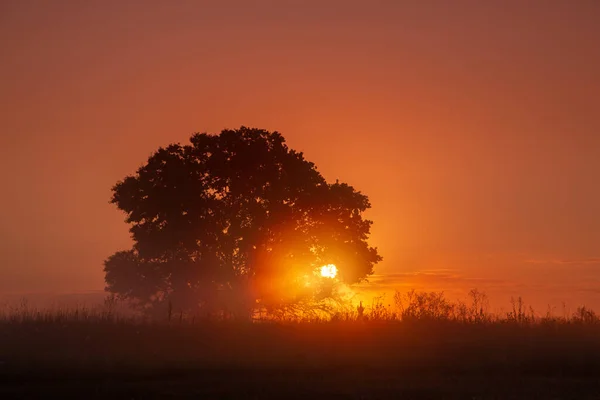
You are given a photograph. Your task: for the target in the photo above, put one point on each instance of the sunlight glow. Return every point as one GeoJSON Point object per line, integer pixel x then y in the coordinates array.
{"type": "Point", "coordinates": [329, 271]}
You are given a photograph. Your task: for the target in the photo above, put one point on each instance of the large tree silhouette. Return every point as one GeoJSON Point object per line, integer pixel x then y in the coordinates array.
{"type": "Point", "coordinates": [234, 220]}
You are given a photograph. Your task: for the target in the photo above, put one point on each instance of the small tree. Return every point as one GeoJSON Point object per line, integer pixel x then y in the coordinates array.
{"type": "Point", "coordinates": [235, 219]}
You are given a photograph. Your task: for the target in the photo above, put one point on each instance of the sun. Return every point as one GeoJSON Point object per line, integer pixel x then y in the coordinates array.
{"type": "Point", "coordinates": [329, 271]}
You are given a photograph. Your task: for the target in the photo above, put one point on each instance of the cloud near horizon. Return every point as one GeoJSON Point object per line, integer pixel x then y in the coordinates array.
{"type": "Point", "coordinates": [583, 261]}
{"type": "Point", "coordinates": [447, 280]}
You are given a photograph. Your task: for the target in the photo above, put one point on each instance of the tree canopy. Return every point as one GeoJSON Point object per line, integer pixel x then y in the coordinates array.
{"type": "Point", "coordinates": [233, 220]}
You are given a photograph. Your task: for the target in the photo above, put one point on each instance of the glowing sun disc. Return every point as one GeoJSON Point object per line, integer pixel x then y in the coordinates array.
{"type": "Point", "coordinates": [329, 271]}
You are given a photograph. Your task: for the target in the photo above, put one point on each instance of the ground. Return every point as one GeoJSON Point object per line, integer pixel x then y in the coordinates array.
{"type": "Point", "coordinates": [293, 384]}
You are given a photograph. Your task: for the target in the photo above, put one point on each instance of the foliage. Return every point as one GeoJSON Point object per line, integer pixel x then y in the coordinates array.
{"type": "Point", "coordinates": [431, 336]}
{"type": "Point", "coordinates": [423, 305]}
{"type": "Point", "coordinates": [235, 219]}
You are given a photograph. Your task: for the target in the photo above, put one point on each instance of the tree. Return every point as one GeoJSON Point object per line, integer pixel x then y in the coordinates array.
{"type": "Point", "coordinates": [235, 219]}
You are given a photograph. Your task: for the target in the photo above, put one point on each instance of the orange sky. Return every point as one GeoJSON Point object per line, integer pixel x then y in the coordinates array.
{"type": "Point", "coordinates": [473, 126]}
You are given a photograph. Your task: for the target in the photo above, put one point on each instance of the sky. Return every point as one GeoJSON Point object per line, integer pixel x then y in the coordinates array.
{"type": "Point", "coordinates": [474, 127]}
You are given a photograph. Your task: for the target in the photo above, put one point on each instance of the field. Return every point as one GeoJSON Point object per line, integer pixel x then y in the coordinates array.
{"type": "Point", "coordinates": [427, 348]}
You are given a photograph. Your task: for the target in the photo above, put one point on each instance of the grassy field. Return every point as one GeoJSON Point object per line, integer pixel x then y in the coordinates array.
{"type": "Point", "coordinates": [424, 348]}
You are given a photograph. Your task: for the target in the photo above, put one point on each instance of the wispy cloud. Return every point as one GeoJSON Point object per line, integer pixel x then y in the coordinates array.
{"type": "Point", "coordinates": [574, 261]}
{"type": "Point", "coordinates": [434, 279]}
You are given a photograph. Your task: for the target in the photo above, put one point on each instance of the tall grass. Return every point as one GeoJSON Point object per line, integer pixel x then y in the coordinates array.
{"type": "Point", "coordinates": [419, 331]}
